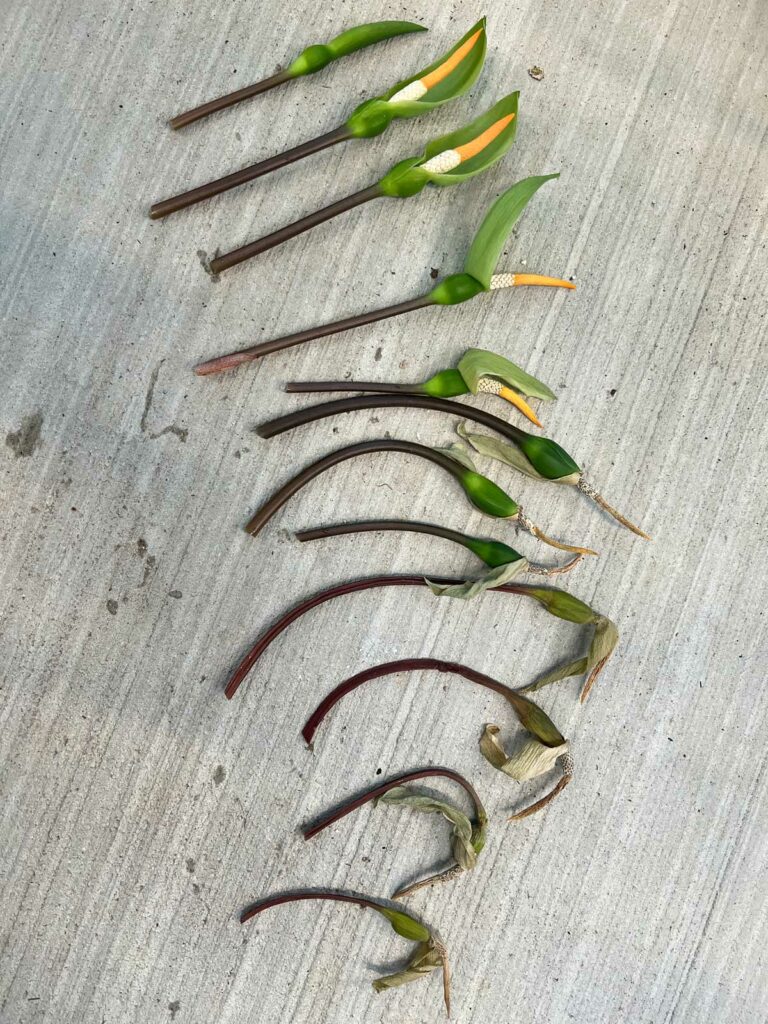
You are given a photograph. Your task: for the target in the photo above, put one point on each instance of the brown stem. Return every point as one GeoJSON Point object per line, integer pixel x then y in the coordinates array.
{"type": "Point", "coordinates": [246, 252]}
{"type": "Point", "coordinates": [384, 787]}
{"type": "Point", "coordinates": [376, 525]}
{"type": "Point", "coordinates": [222, 102]}
{"type": "Point", "coordinates": [342, 589]}
{"type": "Point", "coordinates": [279, 498]}
{"type": "Point", "coordinates": [382, 387]}
{"type": "Point", "coordinates": [392, 668]}
{"type": "Point", "coordinates": [318, 894]}
{"type": "Point", "coordinates": [318, 412]}
{"type": "Point", "coordinates": [247, 355]}
{"type": "Point", "coordinates": [214, 188]}
{"type": "Point", "coordinates": [442, 876]}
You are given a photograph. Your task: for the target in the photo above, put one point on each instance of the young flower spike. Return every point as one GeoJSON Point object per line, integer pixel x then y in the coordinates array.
{"type": "Point", "coordinates": [467, 839]}
{"type": "Point", "coordinates": [430, 954]}
{"type": "Point", "coordinates": [482, 492]}
{"type": "Point", "coordinates": [537, 457]}
{"type": "Point", "coordinates": [504, 563]}
{"type": "Point", "coordinates": [477, 372]}
{"type": "Point", "coordinates": [545, 748]}
{"type": "Point", "coordinates": [448, 160]}
{"type": "Point", "coordinates": [312, 59]}
{"type": "Point", "coordinates": [559, 603]}
{"type": "Point", "coordinates": [450, 76]}
{"type": "Point", "coordinates": [478, 276]}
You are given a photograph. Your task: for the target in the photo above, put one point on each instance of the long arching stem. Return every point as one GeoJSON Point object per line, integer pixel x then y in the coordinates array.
{"type": "Point", "coordinates": [392, 668]}
{"type": "Point", "coordinates": [276, 502]}
{"type": "Point", "coordinates": [384, 787]}
{"type": "Point", "coordinates": [246, 252]}
{"type": "Point", "coordinates": [264, 348]}
{"type": "Point", "coordinates": [296, 897]}
{"type": "Point", "coordinates": [342, 589]}
{"type": "Point", "coordinates": [222, 102]}
{"type": "Point", "coordinates": [311, 413]}
{"type": "Point", "coordinates": [245, 174]}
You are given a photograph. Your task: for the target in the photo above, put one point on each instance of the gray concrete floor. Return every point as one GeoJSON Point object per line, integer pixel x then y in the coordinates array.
{"type": "Point", "coordinates": [140, 810]}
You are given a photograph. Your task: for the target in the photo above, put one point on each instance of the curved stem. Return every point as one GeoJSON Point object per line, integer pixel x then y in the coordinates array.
{"type": "Point", "coordinates": [276, 502]}
{"type": "Point", "coordinates": [384, 787]}
{"type": "Point", "coordinates": [375, 525]}
{"type": "Point", "coordinates": [392, 668]}
{"type": "Point", "coordinates": [318, 412]}
{"type": "Point", "coordinates": [382, 387]}
{"type": "Point", "coordinates": [296, 897]}
{"type": "Point", "coordinates": [589, 490]}
{"type": "Point", "coordinates": [229, 100]}
{"type": "Point", "coordinates": [247, 355]}
{"type": "Point", "coordinates": [246, 252]}
{"type": "Point", "coordinates": [341, 590]}
{"type": "Point", "coordinates": [245, 174]}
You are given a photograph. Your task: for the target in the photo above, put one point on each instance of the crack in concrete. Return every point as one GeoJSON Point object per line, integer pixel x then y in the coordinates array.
{"type": "Point", "coordinates": [181, 432]}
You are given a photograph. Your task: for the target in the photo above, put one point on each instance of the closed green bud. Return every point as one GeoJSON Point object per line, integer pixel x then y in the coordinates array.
{"type": "Point", "coordinates": [492, 552]}
{"type": "Point", "coordinates": [564, 605]}
{"type": "Point", "coordinates": [445, 384]}
{"type": "Point", "coordinates": [369, 119]}
{"type": "Point", "coordinates": [404, 179]}
{"type": "Point", "coordinates": [487, 496]}
{"type": "Point", "coordinates": [456, 288]}
{"type": "Point", "coordinates": [548, 458]}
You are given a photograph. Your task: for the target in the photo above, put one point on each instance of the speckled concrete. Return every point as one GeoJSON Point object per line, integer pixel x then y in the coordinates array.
{"type": "Point", "coordinates": [140, 810]}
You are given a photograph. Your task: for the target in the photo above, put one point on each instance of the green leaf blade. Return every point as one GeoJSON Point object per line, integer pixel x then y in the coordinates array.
{"type": "Point", "coordinates": [488, 155]}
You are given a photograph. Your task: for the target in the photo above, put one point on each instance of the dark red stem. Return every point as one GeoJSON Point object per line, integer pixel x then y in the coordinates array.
{"type": "Point", "coordinates": [376, 525]}
{"type": "Point", "coordinates": [296, 897]}
{"type": "Point", "coordinates": [247, 355]}
{"type": "Point", "coordinates": [341, 590]}
{"type": "Point", "coordinates": [214, 188]}
{"type": "Point", "coordinates": [384, 787]}
{"type": "Point", "coordinates": [222, 102]}
{"type": "Point", "coordinates": [298, 227]}
{"type": "Point", "coordinates": [391, 668]}
{"type": "Point", "coordinates": [279, 498]}
{"type": "Point", "coordinates": [318, 412]}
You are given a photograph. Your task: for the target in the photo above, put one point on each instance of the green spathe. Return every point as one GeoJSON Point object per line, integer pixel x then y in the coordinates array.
{"type": "Point", "coordinates": [410, 176]}
{"type": "Point", "coordinates": [375, 115]}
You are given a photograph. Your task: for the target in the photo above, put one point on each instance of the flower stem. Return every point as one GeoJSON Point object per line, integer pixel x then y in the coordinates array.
{"type": "Point", "coordinates": [295, 897]}
{"type": "Point", "coordinates": [375, 525]}
{"type": "Point", "coordinates": [246, 252]}
{"type": "Point", "coordinates": [311, 413]}
{"type": "Point", "coordinates": [214, 188]}
{"type": "Point", "coordinates": [341, 590]}
{"type": "Point", "coordinates": [247, 355]}
{"type": "Point", "coordinates": [222, 102]}
{"type": "Point", "coordinates": [566, 763]}
{"type": "Point", "coordinates": [384, 787]}
{"type": "Point", "coordinates": [276, 502]}
{"type": "Point", "coordinates": [392, 668]}
{"type": "Point", "coordinates": [382, 387]}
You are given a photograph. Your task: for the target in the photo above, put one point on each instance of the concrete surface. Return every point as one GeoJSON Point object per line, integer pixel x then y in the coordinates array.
{"type": "Point", "coordinates": [140, 810]}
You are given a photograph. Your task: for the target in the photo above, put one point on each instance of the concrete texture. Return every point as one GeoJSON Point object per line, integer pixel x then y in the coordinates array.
{"type": "Point", "coordinates": [140, 810]}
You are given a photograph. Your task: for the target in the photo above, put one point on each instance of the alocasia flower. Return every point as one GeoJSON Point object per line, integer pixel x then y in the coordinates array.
{"type": "Point", "coordinates": [312, 59]}
{"type": "Point", "coordinates": [477, 372]}
{"type": "Point", "coordinates": [557, 602]}
{"type": "Point", "coordinates": [449, 160]}
{"type": "Point", "coordinates": [478, 277]}
{"type": "Point", "coordinates": [545, 748]}
{"type": "Point", "coordinates": [537, 457]}
{"type": "Point", "coordinates": [448, 77]}
{"type": "Point", "coordinates": [483, 493]}
{"type": "Point", "coordinates": [467, 837]}
{"type": "Point", "coordinates": [430, 954]}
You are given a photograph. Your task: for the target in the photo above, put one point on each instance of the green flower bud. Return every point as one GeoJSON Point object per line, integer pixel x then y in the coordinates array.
{"type": "Point", "coordinates": [549, 459]}
{"type": "Point", "coordinates": [487, 496]}
{"type": "Point", "coordinates": [454, 289]}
